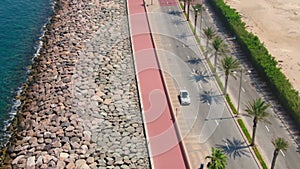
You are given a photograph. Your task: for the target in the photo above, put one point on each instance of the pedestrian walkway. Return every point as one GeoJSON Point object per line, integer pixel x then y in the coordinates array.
{"type": "Point", "coordinates": [165, 150]}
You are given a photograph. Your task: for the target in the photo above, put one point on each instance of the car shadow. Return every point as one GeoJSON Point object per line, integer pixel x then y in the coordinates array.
{"type": "Point", "coordinates": [234, 148]}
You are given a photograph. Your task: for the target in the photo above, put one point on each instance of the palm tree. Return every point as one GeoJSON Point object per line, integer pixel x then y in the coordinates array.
{"type": "Point", "coordinates": [198, 8]}
{"type": "Point", "coordinates": [279, 144]}
{"type": "Point", "coordinates": [229, 65]}
{"type": "Point", "coordinates": [184, 5]}
{"type": "Point", "coordinates": [257, 110]}
{"type": "Point", "coordinates": [220, 47]}
{"type": "Point", "coordinates": [217, 159]}
{"type": "Point", "coordinates": [188, 9]}
{"type": "Point", "coordinates": [210, 34]}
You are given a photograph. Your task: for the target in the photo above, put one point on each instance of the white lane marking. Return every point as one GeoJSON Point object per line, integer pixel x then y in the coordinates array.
{"type": "Point", "coordinates": [227, 146]}
{"type": "Point", "coordinates": [267, 128]}
{"type": "Point", "coordinates": [282, 153]}
{"type": "Point", "coordinates": [217, 122]}
{"type": "Point", "coordinates": [169, 9]}
{"type": "Point", "coordinates": [200, 85]}
{"type": "Point", "coordinates": [194, 71]}
{"type": "Point", "coordinates": [187, 56]}
{"type": "Point", "coordinates": [243, 89]}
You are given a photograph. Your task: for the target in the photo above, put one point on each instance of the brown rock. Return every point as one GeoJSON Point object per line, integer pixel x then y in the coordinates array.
{"type": "Point", "coordinates": [71, 165]}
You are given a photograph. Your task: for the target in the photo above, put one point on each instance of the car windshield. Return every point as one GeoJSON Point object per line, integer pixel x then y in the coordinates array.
{"type": "Point", "coordinates": [184, 94]}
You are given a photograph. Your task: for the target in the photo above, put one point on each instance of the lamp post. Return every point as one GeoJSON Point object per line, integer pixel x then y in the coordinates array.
{"type": "Point", "coordinates": [239, 97]}
{"type": "Point", "coordinates": [196, 14]}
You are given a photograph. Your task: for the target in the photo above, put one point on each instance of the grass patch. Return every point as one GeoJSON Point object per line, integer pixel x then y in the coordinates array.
{"type": "Point", "coordinates": [256, 152]}
{"type": "Point", "coordinates": [231, 104]}
{"type": "Point", "coordinates": [245, 131]}
{"type": "Point", "coordinates": [219, 82]}
{"type": "Point", "coordinates": [259, 157]}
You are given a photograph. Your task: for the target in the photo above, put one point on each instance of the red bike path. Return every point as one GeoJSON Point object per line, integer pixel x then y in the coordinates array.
{"type": "Point", "coordinates": [165, 149]}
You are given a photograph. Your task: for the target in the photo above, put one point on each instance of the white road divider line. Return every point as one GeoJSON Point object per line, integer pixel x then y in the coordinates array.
{"type": "Point", "coordinates": [227, 146]}
{"type": "Point", "coordinates": [282, 153]}
{"type": "Point", "coordinates": [243, 89]}
{"type": "Point", "coordinates": [217, 122]}
{"type": "Point", "coordinates": [187, 56]}
{"type": "Point", "coordinates": [267, 128]}
{"type": "Point", "coordinates": [200, 85]}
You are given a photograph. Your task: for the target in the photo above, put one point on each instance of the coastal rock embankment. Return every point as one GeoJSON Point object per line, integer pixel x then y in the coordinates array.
{"type": "Point", "coordinates": [80, 107]}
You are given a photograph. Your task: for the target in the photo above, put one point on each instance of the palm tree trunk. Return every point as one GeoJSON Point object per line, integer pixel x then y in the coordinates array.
{"type": "Point", "coordinates": [253, 132]}
{"type": "Point", "coordinates": [195, 23]}
{"type": "Point", "coordinates": [226, 83]}
{"type": "Point", "coordinates": [188, 11]}
{"type": "Point", "coordinates": [275, 154]}
{"type": "Point", "coordinates": [206, 52]}
{"type": "Point", "coordinates": [215, 64]}
{"type": "Point", "coordinates": [200, 26]}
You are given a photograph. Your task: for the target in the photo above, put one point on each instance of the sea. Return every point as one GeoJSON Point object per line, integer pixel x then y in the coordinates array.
{"type": "Point", "coordinates": [22, 24]}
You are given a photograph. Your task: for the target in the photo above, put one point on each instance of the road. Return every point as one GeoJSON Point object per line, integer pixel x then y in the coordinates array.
{"type": "Point", "coordinates": [252, 88]}
{"type": "Point", "coordinates": [207, 122]}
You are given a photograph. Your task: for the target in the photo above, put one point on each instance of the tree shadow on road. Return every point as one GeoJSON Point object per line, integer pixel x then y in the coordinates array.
{"type": "Point", "coordinates": [234, 148]}
{"type": "Point", "coordinates": [178, 21]}
{"type": "Point", "coordinates": [175, 13]}
{"type": "Point", "coordinates": [194, 61]}
{"type": "Point", "coordinates": [209, 96]}
{"type": "Point", "coordinates": [183, 36]}
{"type": "Point", "coordinates": [202, 76]}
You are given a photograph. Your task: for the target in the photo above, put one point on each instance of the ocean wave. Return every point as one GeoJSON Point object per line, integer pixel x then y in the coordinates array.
{"type": "Point", "coordinates": [5, 133]}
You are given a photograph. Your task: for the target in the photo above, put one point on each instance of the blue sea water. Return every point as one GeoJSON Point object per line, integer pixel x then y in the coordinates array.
{"type": "Point", "coordinates": [21, 26]}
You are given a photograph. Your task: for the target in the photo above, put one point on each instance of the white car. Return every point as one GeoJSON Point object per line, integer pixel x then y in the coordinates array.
{"type": "Point", "coordinates": [184, 97]}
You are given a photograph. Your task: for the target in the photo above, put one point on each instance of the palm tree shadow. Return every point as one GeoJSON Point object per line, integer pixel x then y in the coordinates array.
{"type": "Point", "coordinates": [178, 22]}
{"type": "Point", "coordinates": [202, 76]}
{"type": "Point", "coordinates": [209, 96]}
{"type": "Point", "coordinates": [194, 61]}
{"type": "Point", "coordinates": [183, 36]}
{"type": "Point", "coordinates": [234, 148]}
{"type": "Point", "coordinates": [175, 13]}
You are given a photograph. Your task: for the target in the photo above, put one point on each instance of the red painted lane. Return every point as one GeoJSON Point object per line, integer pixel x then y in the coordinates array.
{"type": "Point", "coordinates": [161, 133]}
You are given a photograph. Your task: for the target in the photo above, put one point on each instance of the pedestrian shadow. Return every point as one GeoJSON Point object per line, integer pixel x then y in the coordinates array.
{"type": "Point", "coordinates": [209, 96]}
{"type": "Point", "coordinates": [234, 148]}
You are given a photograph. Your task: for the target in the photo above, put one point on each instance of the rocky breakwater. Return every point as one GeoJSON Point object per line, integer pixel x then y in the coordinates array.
{"type": "Point", "coordinates": [80, 107]}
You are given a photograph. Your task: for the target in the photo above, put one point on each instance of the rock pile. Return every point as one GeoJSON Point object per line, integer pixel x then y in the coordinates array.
{"type": "Point", "coordinates": [80, 108]}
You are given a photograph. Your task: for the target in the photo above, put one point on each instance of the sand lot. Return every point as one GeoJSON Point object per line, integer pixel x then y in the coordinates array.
{"type": "Point", "coordinates": [277, 24]}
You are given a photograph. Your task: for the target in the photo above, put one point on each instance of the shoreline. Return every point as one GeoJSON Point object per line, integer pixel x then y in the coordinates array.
{"type": "Point", "coordinates": [16, 102]}
{"type": "Point", "coordinates": [77, 108]}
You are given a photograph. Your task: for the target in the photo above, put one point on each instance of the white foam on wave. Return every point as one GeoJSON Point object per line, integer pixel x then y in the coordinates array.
{"type": "Point", "coordinates": [17, 102]}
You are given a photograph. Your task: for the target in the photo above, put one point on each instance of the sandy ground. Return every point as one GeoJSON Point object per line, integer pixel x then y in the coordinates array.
{"type": "Point", "coordinates": [277, 24]}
